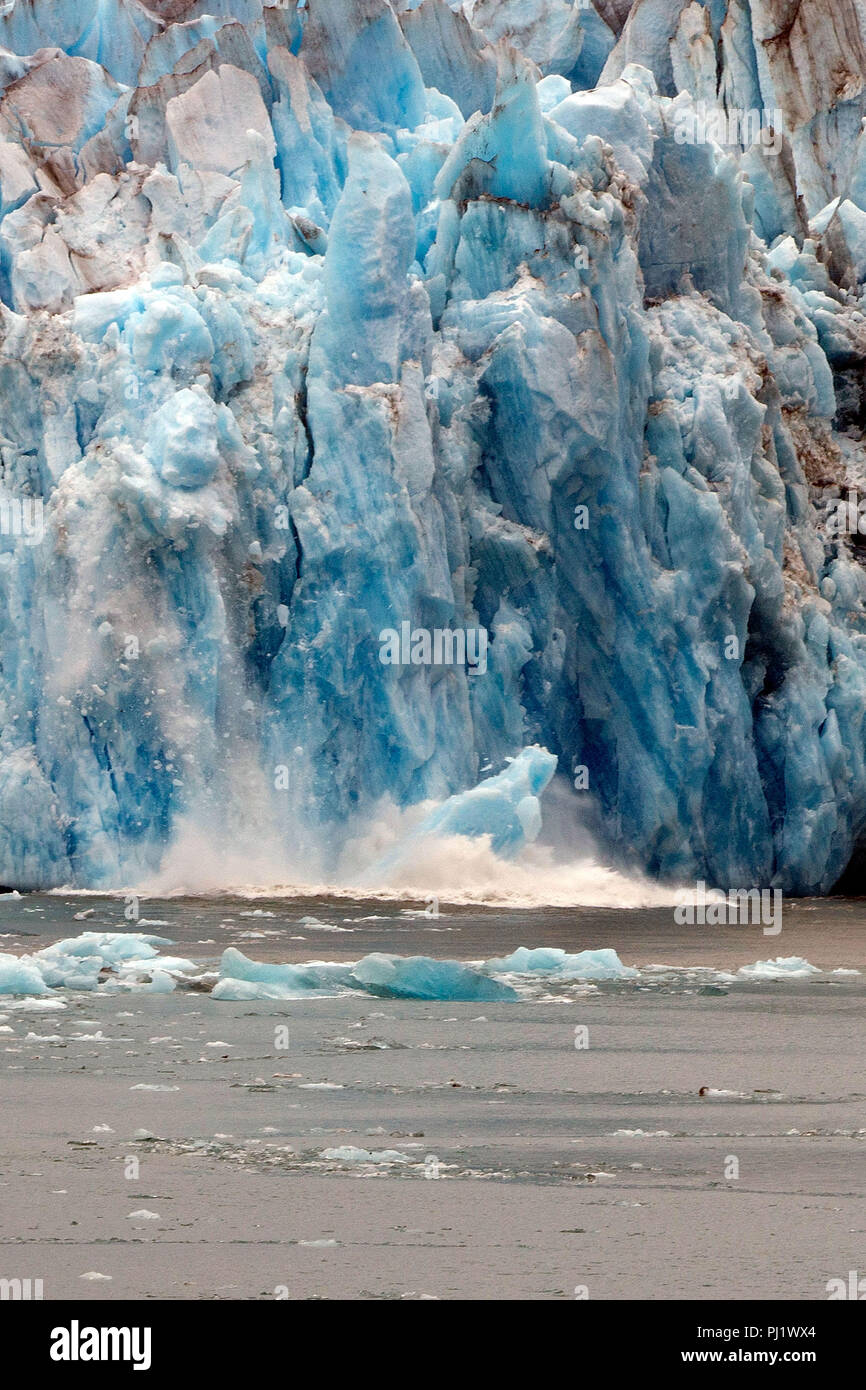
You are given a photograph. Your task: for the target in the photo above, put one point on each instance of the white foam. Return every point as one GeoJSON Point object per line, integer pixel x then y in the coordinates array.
{"type": "Point", "coordinates": [456, 870]}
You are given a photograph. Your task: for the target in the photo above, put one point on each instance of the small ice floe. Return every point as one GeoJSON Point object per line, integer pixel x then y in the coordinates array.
{"type": "Point", "coordinates": [359, 1044]}
{"type": "Point", "coordinates": [19, 975]}
{"type": "Point", "coordinates": [348, 1153]}
{"type": "Point", "coordinates": [321, 1086]}
{"type": "Point", "coordinates": [34, 1005]}
{"type": "Point", "coordinates": [713, 1093]}
{"type": "Point", "coordinates": [170, 965]}
{"type": "Point", "coordinates": [98, 1036]}
{"type": "Point", "coordinates": [151, 922]}
{"type": "Point", "coordinates": [257, 912]}
{"type": "Point", "coordinates": [782, 968]}
{"type": "Point", "coordinates": [156, 982]}
{"type": "Point", "coordinates": [94, 1276]}
{"type": "Point", "coordinates": [102, 1129]}
{"type": "Point", "coordinates": [144, 1215]}
{"type": "Point", "coordinates": [313, 924]}
{"type": "Point", "coordinates": [318, 1244]}
{"type": "Point", "coordinates": [696, 972]}
{"type": "Point", "coordinates": [144, 1086]}
{"type": "Point", "coordinates": [641, 1134]}
{"type": "Point", "coordinates": [552, 962]}
{"type": "Point", "coordinates": [83, 916]}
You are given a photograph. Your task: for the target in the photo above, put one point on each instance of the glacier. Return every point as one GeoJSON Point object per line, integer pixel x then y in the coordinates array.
{"type": "Point", "coordinates": [320, 318]}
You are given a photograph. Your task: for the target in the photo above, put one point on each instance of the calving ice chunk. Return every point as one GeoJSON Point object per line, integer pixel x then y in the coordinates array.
{"type": "Point", "coordinates": [85, 1343]}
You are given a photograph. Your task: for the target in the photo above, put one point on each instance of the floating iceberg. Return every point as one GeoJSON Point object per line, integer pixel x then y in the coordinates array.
{"type": "Point", "coordinates": [349, 1153]}
{"type": "Point", "coordinates": [242, 978]}
{"type": "Point", "coordinates": [384, 976]}
{"type": "Point", "coordinates": [19, 975]}
{"type": "Point", "coordinates": [117, 961]}
{"type": "Point", "coordinates": [413, 977]}
{"type": "Point", "coordinates": [111, 947]}
{"type": "Point", "coordinates": [782, 968]}
{"type": "Point", "coordinates": [604, 964]}
{"type": "Point", "coordinates": [419, 977]}
{"type": "Point", "coordinates": [130, 960]}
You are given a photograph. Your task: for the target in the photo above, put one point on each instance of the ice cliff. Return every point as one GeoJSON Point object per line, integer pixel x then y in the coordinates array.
{"type": "Point", "coordinates": [525, 317]}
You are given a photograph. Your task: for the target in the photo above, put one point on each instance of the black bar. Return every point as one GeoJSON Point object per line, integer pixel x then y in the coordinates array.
{"type": "Point", "coordinates": [267, 1338]}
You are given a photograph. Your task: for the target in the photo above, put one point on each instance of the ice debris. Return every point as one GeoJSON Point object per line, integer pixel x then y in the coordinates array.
{"type": "Point", "coordinates": [105, 960]}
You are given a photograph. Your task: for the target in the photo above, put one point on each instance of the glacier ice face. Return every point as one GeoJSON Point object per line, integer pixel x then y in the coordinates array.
{"type": "Point", "coordinates": [319, 319]}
